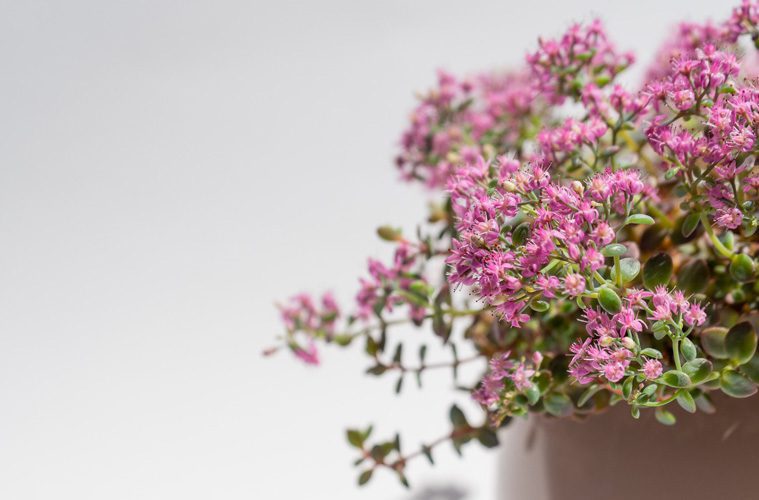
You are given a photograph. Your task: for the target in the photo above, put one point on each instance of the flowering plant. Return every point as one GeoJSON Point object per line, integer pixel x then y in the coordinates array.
{"type": "Point", "coordinates": [599, 243]}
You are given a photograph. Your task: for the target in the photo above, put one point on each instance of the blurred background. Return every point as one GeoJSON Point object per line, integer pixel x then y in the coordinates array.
{"type": "Point", "coordinates": [170, 169]}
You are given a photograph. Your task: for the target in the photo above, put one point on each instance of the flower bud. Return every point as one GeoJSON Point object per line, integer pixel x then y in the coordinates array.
{"type": "Point", "coordinates": [629, 343]}
{"type": "Point", "coordinates": [509, 186]}
{"type": "Point", "coordinates": [605, 341]}
{"type": "Point", "coordinates": [578, 187]}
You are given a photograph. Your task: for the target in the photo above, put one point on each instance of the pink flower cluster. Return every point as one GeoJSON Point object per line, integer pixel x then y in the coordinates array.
{"type": "Point", "coordinates": [505, 374]}
{"type": "Point", "coordinates": [302, 315]}
{"type": "Point", "coordinates": [390, 286]}
{"type": "Point", "coordinates": [566, 224]}
{"type": "Point", "coordinates": [582, 56]}
{"type": "Point", "coordinates": [703, 86]}
{"type": "Point", "coordinates": [454, 121]}
{"type": "Point", "coordinates": [611, 350]}
{"type": "Point", "coordinates": [690, 36]}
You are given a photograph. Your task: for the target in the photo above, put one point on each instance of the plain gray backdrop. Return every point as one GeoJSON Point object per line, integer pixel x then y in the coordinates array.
{"type": "Point", "coordinates": [169, 169]}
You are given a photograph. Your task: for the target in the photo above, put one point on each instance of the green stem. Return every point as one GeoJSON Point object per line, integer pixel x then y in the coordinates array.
{"type": "Point", "coordinates": [661, 217]}
{"type": "Point", "coordinates": [722, 249]}
{"type": "Point", "coordinates": [618, 271]}
{"type": "Point", "coordinates": [676, 352]}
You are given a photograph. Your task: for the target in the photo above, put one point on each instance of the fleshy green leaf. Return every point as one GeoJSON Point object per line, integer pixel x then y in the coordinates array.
{"type": "Point", "coordinates": [639, 219]}
{"type": "Point", "coordinates": [675, 378]}
{"type": "Point", "coordinates": [690, 223]}
{"type": "Point", "coordinates": [736, 385]}
{"type": "Point", "coordinates": [657, 270]}
{"type": "Point", "coordinates": [740, 342]}
{"type": "Point", "coordinates": [651, 353]}
{"type": "Point", "coordinates": [713, 341]}
{"type": "Point", "coordinates": [665, 417]}
{"type": "Point", "coordinates": [688, 349]}
{"type": "Point", "coordinates": [751, 369]}
{"type": "Point", "coordinates": [686, 402]}
{"type": "Point", "coordinates": [742, 267]}
{"type": "Point", "coordinates": [589, 393]}
{"type": "Point", "coordinates": [627, 386]}
{"type": "Point", "coordinates": [609, 300]}
{"type": "Point", "coordinates": [614, 250]}
{"type": "Point", "coordinates": [693, 276]}
{"type": "Point", "coordinates": [532, 393]}
{"type": "Point", "coordinates": [558, 405]}
{"type": "Point", "coordinates": [697, 369]}
{"type": "Point", "coordinates": [629, 268]}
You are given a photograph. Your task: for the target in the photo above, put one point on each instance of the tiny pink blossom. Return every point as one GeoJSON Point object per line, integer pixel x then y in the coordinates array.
{"type": "Point", "coordinates": [652, 369]}
{"type": "Point", "coordinates": [574, 284]}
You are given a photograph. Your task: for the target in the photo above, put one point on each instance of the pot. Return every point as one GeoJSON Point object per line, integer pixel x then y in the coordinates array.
{"type": "Point", "coordinates": [612, 456]}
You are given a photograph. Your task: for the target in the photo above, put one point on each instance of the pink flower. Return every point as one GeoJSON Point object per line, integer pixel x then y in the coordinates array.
{"type": "Point", "coordinates": [614, 371]}
{"type": "Point", "coordinates": [652, 369]}
{"type": "Point", "coordinates": [574, 284]}
{"type": "Point", "coordinates": [627, 320]}
{"type": "Point", "coordinates": [695, 315]}
{"type": "Point", "coordinates": [729, 218]}
{"type": "Point", "coordinates": [308, 355]}
{"type": "Point", "coordinates": [521, 377]}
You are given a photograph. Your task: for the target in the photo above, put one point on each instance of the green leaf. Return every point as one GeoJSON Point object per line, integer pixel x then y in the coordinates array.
{"type": "Point", "coordinates": [558, 405]}
{"type": "Point", "coordinates": [635, 411]}
{"type": "Point", "coordinates": [704, 403]}
{"type": "Point", "coordinates": [627, 386]}
{"type": "Point", "coordinates": [660, 329]}
{"type": "Point", "coordinates": [614, 250]}
{"type": "Point", "coordinates": [736, 385]}
{"type": "Point", "coordinates": [742, 267]}
{"type": "Point", "coordinates": [649, 390]}
{"type": "Point", "coordinates": [713, 341]}
{"type": "Point", "coordinates": [376, 370]}
{"type": "Point", "coordinates": [686, 402]}
{"type": "Point", "coordinates": [398, 353]}
{"type": "Point", "coordinates": [690, 223]}
{"type": "Point", "coordinates": [609, 300]}
{"type": "Point", "coordinates": [697, 369]}
{"type": "Point", "coordinates": [399, 385]}
{"type": "Point", "coordinates": [487, 438]}
{"type": "Point", "coordinates": [629, 268]}
{"type": "Point", "coordinates": [675, 378]}
{"type": "Point", "coordinates": [751, 369]}
{"type": "Point", "coordinates": [665, 417]}
{"type": "Point", "coordinates": [404, 481]}
{"type": "Point", "coordinates": [740, 342]}
{"type": "Point", "coordinates": [639, 219]}
{"type": "Point", "coordinates": [538, 305]}
{"type": "Point", "coordinates": [688, 348]}
{"type": "Point", "coordinates": [532, 393]}
{"type": "Point", "coordinates": [657, 270]}
{"type": "Point", "coordinates": [355, 438]}
{"type": "Point", "coordinates": [428, 453]}
{"type": "Point", "coordinates": [365, 477]}
{"type": "Point", "coordinates": [519, 235]}
{"type": "Point", "coordinates": [693, 276]}
{"type": "Point", "coordinates": [589, 393]}
{"type": "Point", "coordinates": [458, 419]}
{"type": "Point", "coordinates": [651, 353]}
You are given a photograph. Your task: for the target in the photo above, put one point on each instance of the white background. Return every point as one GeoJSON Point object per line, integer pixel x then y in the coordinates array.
{"type": "Point", "coordinates": [170, 169]}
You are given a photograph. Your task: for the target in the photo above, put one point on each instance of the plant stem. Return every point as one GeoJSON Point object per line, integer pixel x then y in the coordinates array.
{"type": "Point", "coordinates": [676, 352]}
{"type": "Point", "coordinates": [722, 249]}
